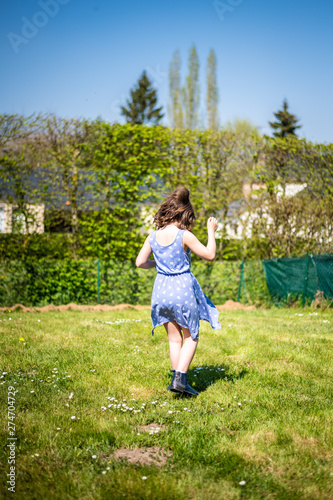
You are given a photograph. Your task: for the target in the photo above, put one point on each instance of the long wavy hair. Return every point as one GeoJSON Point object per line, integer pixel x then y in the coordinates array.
{"type": "Point", "coordinates": [176, 209]}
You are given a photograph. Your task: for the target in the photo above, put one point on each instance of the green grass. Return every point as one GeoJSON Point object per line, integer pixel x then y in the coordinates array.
{"type": "Point", "coordinates": [276, 363]}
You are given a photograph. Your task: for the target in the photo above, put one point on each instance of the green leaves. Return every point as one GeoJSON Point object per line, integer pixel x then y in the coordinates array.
{"type": "Point", "coordinates": [101, 182]}
{"type": "Point", "coordinates": [130, 161]}
{"type": "Point", "coordinates": [294, 205]}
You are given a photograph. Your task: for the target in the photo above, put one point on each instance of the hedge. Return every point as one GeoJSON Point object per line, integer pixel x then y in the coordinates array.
{"type": "Point", "coordinates": [42, 282]}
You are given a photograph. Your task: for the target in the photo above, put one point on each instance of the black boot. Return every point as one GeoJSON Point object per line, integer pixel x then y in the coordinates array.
{"type": "Point", "coordinates": [180, 384]}
{"type": "Point", "coordinates": [173, 378]}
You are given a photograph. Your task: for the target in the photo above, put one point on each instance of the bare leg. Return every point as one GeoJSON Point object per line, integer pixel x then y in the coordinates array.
{"type": "Point", "coordinates": [187, 352]}
{"type": "Point", "coordinates": [175, 342]}
{"type": "Point", "coordinates": [181, 355]}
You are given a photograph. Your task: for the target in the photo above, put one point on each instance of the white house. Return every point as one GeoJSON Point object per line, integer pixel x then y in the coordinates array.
{"type": "Point", "coordinates": [241, 222]}
{"type": "Point", "coordinates": [11, 220]}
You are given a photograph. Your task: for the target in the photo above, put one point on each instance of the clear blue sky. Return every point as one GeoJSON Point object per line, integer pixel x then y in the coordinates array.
{"type": "Point", "coordinates": [83, 60]}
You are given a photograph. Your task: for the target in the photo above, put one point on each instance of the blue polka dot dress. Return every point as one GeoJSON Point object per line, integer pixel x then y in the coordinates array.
{"type": "Point", "coordinates": [177, 295]}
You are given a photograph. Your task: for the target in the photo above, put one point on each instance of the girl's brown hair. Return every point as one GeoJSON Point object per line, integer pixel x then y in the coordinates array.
{"type": "Point", "coordinates": [177, 209]}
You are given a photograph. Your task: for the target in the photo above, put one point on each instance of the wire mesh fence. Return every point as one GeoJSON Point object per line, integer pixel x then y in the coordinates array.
{"type": "Point", "coordinates": [261, 283]}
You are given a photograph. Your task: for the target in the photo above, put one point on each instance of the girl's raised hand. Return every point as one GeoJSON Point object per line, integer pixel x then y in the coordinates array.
{"type": "Point", "coordinates": [205, 252]}
{"type": "Point", "coordinates": [212, 224]}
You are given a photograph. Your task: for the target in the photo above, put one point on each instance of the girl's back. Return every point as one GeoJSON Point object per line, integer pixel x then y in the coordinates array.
{"type": "Point", "coordinates": [170, 256]}
{"type": "Point", "coordinates": [166, 235]}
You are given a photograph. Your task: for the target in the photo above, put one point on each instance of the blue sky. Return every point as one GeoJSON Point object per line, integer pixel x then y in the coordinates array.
{"type": "Point", "coordinates": [85, 55]}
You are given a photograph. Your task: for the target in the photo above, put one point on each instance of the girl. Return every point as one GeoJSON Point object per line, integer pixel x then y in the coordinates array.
{"type": "Point", "coordinates": [177, 300]}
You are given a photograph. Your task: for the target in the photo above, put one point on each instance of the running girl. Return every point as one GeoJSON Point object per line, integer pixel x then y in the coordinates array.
{"type": "Point", "coordinates": [177, 300]}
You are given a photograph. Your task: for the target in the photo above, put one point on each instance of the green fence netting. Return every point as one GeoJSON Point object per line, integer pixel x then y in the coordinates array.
{"type": "Point", "coordinates": [300, 276]}
{"type": "Point", "coordinates": [324, 269]}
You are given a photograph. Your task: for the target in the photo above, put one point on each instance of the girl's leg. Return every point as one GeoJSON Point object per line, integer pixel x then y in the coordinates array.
{"type": "Point", "coordinates": [175, 342]}
{"type": "Point", "coordinates": [187, 352]}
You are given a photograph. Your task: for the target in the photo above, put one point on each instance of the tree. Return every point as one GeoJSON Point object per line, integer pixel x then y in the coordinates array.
{"type": "Point", "coordinates": [242, 128]}
{"type": "Point", "coordinates": [191, 91]}
{"type": "Point", "coordinates": [286, 122]}
{"type": "Point", "coordinates": [129, 162]}
{"type": "Point", "coordinates": [292, 207]}
{"type": "Point", "coordinates": [175, 106]}
{"type": "Point", "coordinates": [212, 93]}
{"type": "Point", "coordinates": [142, 107]}
{"type": "Point", "coordinates": [64, 159]}
{"type": "Point", "coordinates": [18, 170]}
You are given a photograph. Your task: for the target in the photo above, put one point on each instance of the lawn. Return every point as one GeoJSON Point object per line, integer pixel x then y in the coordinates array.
{"type": "Point", "coordinates": [94, 419]}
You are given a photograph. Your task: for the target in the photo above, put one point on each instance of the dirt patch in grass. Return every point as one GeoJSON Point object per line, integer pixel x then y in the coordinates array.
{"type": "Point", "coordinates": [230, 305]}
{"type": "Point", "coordinates": [154, 455]}
{"type": "Point", "coordinates": [153, 428]}
{"type": "Point", "coordinates": [287, 339]}
{"type": "Point", "coordinates": [267, 437]}
{"type": "Point", "coordinates": [72, 307]}
{"type": "Point", "coordinates": [313, 445]}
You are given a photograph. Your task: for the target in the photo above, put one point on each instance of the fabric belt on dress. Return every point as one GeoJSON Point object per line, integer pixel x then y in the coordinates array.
{"type": "Point", "coordinates": [173, 274]}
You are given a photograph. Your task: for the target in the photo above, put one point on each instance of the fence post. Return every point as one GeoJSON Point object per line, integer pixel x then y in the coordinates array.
{"type": "Point", "coordinates": [305, 287]}
{"type": "Point", "coordinates": [98, 282]}
{"type": "Point", "coordinates": [241, 280]}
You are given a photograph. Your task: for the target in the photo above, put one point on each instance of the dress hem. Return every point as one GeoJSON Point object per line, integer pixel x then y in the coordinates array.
{"type": "Point", "coordinates": [182, 326]}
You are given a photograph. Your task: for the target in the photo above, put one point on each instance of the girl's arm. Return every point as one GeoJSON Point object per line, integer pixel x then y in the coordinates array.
{"type": "Point", "coordinates": [142, 259]}
{"type": "Point", "coordinates": [208, 252]}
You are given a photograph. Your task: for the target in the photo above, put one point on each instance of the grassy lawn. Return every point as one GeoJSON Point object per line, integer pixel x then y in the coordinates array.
{"type": "Point", "coordinates": [263, 415]}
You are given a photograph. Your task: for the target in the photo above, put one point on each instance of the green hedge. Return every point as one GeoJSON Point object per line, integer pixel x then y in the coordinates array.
{"type": "Point", "coordinates": [44, 281]}
{"type": "Point", "coordinates": [53, 246]}
{"type": "Point", "coordinates": [59, 246]}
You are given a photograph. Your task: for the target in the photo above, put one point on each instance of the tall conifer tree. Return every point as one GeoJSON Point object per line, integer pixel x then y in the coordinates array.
{"type": "Point", "coordinates": [142, 107]}
{"type": "Point", "coordinates": [285, 123]}
{"type": "Point", "coordinates": [212, 92]}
